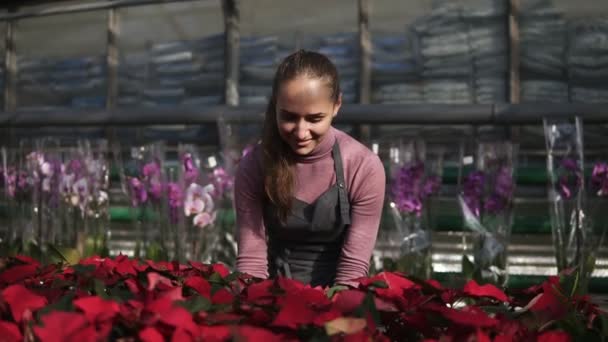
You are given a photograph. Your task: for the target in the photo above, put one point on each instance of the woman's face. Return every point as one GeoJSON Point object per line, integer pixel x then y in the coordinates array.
{"type": "Point", "coordinates": [305, 111]}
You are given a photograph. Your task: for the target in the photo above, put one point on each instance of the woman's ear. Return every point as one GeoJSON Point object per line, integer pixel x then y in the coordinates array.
{"type": "Point", "coordinates": [337, 105]}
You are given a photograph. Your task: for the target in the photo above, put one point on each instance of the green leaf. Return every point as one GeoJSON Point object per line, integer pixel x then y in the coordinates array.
{"type": "Point", "coordinates": [195, 304]}
{"type": "Point", "coordinates": [604, 322]}
{"type": "Point", "coordinates": [368, 306]}
{"type": "Point", "coordinates": [335, 289]}
{"type": "Point", "coordinates": [84, 269]}
{"type": "Point", "coordinates": [232, 277]}
{"type": "Point", "coordinates": [69, 255]}
{"type": "Point", "coordinates": [33, 250]}
{"type": "Point", "coordinates": [379, 284]}
{"type": "Point", "coordinates": [216, 278]}
{"type": "Point", "coordinates": [100, 289]}
{"type": "Point", "coordinates": [119, 294]}
{"type": "Point", "coordinates": [468, 268]}
{"type": "Point", "coordinates": [63, 304]}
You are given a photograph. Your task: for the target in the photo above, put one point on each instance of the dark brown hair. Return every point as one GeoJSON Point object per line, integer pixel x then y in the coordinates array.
{"type": "Point", "coordinates": [278, 157]}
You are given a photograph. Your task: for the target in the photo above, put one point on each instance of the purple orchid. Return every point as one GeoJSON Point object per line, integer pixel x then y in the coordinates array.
{"type": "Point", "coordinates": [151, 169]}
{"type": "Point", "coordinates": [222, 182]}
{"type": "Point", "coordinates": [473, 187]}
{"type": "Point", "coordinates": [501, 189]}
{"type": "Point", "coordinates": [571, 178]}
{"type": "Point", "coordinates": [411, 188]}
{"type": "Point", "coordinates": [151, 176]}
{"type": "Point", "coordinates": [138, 192]}
{"type": "Point", "coordinates": [175, 197]}
{"type": "Point", "coordinates": [599, 179]}
{"type": "Point", "coordinates": [189, 169]}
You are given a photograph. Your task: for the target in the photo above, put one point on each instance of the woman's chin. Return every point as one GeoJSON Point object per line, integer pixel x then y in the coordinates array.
{"type": "Point", "coordinates": [302, 151]}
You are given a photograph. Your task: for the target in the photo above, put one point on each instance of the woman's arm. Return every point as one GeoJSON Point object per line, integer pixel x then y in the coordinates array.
{"type": "Point", "coordinates": [251, 235]}
{"type": "Point", "coordinates": [367, 200]}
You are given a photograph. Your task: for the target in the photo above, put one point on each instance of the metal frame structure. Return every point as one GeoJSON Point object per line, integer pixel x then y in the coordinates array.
{"type": "Point", "coordinates": [360, 115]}
{"type": "Point", "coordinates": [356, 114]}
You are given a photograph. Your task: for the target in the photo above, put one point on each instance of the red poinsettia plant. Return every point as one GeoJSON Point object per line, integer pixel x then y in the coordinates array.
{"type": "Point", "coordinates": [125, 299]}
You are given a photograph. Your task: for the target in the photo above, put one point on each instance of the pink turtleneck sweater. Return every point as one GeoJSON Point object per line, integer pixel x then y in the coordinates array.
{"type": "Point", "coordinates": [365, 182]}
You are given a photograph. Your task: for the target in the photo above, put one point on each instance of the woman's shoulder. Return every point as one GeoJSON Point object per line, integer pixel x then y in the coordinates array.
{"type": "Point", "coordinates": [353, 150]}
{"type": "Point", "coordinates": [355, 154]}
{"type": "Point", "coordinates": [251, 163]}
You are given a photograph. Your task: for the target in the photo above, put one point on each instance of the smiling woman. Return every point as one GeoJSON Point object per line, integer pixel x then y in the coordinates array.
{"type": "Point", "coordinates": [309, 198]}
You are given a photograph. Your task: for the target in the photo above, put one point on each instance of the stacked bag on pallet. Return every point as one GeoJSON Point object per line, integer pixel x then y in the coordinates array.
{"type": "Point", "coordinates": [343, 50]}
{"type": "Point", "coordinates": [543, 37]}
{"type": "Point", "coordinates": [456, 54]}
{"type": "Point", "coordinates": [185, 73]}
{"type": "Point", "coordinates": [462, 48]}
{"type": "Point", "coordinates": [588, 61]}
{"type": "Point", "coordinates": [395, 74]}
{"type": "Point", "coordinates": [259, 57]}
{"type": "Point", "coordinates": [51, 83]}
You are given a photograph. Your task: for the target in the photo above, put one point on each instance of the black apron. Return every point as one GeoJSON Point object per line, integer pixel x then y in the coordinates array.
{"type": "Point", "coordinates": [307, 247]}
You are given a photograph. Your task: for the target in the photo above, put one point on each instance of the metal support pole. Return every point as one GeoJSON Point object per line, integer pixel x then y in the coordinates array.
{"type": "Point", "coordinates": [112, 60]}
{"type": "Point", "coordinates": [83, 7]}
{"type": "Point", "coordinates": [232, 55]}
{"type": "Point", "coordinates": [10, 65]}
{"type": "Point", "coordinates": [365, 72]}
{"type": "Point", "coordinates": [514, 60]}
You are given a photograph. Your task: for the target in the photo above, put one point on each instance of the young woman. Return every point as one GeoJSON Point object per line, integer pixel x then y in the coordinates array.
{"type": "Point", "coordinates": [309, 198]}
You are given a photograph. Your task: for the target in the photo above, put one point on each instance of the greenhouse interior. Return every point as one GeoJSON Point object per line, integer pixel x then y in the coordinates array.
{"type": "Point", "coordinates": [123, 124]}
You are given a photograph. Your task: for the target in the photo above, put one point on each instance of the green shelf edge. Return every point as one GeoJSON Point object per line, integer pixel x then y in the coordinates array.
{"type": "Point", "coordinates": [596, 285]}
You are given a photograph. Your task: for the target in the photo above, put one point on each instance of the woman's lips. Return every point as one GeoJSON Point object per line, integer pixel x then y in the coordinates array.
{"type": "Point", "coordinates": [303, 143]}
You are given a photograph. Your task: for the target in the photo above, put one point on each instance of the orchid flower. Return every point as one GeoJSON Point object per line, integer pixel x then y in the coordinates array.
{"type": "Point", "coordinates": [199, 202]}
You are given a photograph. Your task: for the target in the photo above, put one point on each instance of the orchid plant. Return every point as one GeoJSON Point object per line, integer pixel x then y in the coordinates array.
{"type": "Point", "coordinates": [416, 177]}
{"type": "Point", "coordinates": [145, 185]}
{"type": "Point", "coordinates": [486, 201]}
{"type": "Point", "coordinates": [576, 237]}
{"type": "Point", "coordinates": [199, 234]}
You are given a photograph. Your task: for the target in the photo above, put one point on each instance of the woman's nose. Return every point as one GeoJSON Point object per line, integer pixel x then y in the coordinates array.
{"type": "Point", "coordinates": [302, 130]}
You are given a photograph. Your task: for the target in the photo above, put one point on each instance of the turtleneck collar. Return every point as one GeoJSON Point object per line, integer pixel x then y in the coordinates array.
{"type": "Point", "coordinates": [320, 151]}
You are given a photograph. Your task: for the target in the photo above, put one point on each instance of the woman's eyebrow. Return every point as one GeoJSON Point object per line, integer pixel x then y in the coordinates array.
{"type": "Point", "coordinates": [292, 113]}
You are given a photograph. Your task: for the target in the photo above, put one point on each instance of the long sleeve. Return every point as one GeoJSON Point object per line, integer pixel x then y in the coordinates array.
{"type": "Point", "coordinates": [251, 235]}
{"type": "Point", "coordinates": [367, 198]}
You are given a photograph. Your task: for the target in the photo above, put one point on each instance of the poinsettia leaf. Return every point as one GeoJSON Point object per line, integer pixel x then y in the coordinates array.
{"type": "Point", "coordinates": [97, 309]}
{"type": "Point", "coordinates": [487, 290]}
{"type": "Point", "coordinates": [22, 300]}
{"type": "Point", "coordinates": [554, 336]}
{"type": "Point", "coordinates": [195, 304]}
{"type": "Point", "coordinates": [430, 286]}
{"type": "Point", "coordinates": [335, 289]}
{"type": "Point", "coordinates": [199, 284]}
{"type": "Point", "coordinates": [10, 332]}
{"type": "Point", "coordinates": [14, 274]}
{"type": "Point", "coordinates": [150, 334]}
{"type": "Point", "coordinates": [345, 325]}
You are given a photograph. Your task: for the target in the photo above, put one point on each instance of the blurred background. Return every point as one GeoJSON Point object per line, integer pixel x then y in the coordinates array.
{"type": "Point", "coordinates": [65, 63]}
